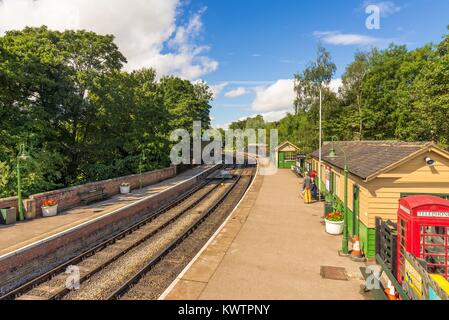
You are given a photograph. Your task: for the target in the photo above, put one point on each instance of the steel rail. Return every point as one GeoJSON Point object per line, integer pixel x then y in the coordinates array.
{"type": "Point", "coordinates": [61, 293]}
{"type": "Point", "coordinates": [139, 274]}
{"type": "Point", "coordinates": [30, 285]}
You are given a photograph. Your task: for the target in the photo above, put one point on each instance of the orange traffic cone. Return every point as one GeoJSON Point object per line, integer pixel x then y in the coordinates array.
{"type": "Point", "coordinates": [356, 252]}
{"type": "Point", "coordinates": [391, 292]}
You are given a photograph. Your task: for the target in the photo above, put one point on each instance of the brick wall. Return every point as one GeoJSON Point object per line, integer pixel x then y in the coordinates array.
{"type": "Point", "coordinates": [8, 202]}
{"type": "Point", "coordinates": [20, 267]}
{"type": "Point", "coordinates": [69, 198]}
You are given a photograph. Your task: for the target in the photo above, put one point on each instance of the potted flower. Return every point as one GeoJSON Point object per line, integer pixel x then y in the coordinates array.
{"type": "Point", "coordinates": [49, 208]}
{"type": "Point", "coordinates": [334, 223]}
{"type": "Point", "coordinates": [125, 188]}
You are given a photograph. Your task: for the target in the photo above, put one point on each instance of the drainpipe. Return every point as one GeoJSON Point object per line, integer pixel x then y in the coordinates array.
{"type": "Point", "coordinates": [344, 245]}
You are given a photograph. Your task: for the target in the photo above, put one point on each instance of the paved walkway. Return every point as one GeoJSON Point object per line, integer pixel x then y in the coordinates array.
{"type": "Point", "coordinates": [19, 235]}
{"type": "Point", "coordinates": [272, 248]}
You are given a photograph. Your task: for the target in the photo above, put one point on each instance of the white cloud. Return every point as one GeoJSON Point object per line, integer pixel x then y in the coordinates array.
{"type": "Point", "coordinates": [274, 101]}
{"type": "Point", "coordinates": [275, 115]}
{"type": "Point", "coordinates": [236, 93]}
{"type": "Point", "coordinates": [387, 8]}
{"type": "Point", "coordinates": [338, 38]}
{"type": "Point", "coordinates": [218, 88]}
{"type": "Point", "coordinates": [142, 29]}
{"type": "Point", "coordinates": [276, 97]}
{"type": "Point", "coordinates": [250, 82]}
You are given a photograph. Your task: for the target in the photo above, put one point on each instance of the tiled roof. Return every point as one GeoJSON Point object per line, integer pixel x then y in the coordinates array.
{"type": "Point", "coordinates": [366, 158]}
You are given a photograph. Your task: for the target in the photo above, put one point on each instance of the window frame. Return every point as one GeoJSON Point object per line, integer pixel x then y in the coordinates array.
{"type": "Point", "coordinates": [290, 156]}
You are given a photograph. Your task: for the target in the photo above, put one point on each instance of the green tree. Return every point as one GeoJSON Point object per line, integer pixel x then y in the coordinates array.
{"type": "Point", "coordinates": [411, 124]}
{"type": "Point", "coordinates": [186, 102]}
{"type": "Point", "coordinates": [316, 77]}
{"type": "Point", "coordinates": [48, 75]}
{"type": "Point", "coordinates": [120, 134]}
{"type": "Point", "coordinates": [432, 100]}
{"type": "Point", "coordinates": [379, 92]}
{"type": "Point", "coordinates": [352, 91]}
{"type": "Point", "coordinates": [82, 117]}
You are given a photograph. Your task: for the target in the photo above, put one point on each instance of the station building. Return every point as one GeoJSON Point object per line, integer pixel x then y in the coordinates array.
{"type": "Point", "coordinates": [286, 155]}
{"type": "Point", "coordinates": [379, 174]}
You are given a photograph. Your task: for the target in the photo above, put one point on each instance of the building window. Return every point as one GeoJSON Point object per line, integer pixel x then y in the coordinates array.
{"type": "Point", "coordinates": [290, 156]}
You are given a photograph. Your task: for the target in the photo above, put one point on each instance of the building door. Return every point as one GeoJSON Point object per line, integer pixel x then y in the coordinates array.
{"type": "Point", "coordinates": [281, 164]}
{"type": "Point", "coordinates": [355, 210]}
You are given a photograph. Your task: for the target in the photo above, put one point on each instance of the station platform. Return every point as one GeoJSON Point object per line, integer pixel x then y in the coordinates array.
{"type": "Point", "coordinates": [272, 247]}
{"type": "Point", "coordinates": [25, 235]}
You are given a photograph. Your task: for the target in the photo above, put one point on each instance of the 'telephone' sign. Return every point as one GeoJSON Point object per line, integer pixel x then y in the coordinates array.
{"type": "Point", "coordinates": [434, 214]}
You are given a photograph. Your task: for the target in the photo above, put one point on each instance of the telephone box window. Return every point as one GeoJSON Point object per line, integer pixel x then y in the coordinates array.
{"type": "Point", "coordinates": [434, 249]}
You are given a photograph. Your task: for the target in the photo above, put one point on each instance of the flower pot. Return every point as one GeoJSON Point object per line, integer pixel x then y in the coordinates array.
{"type": "Point", "coordinates": [49, 211]}
{"type": "Point", "coordinates": [8, 215]}
{"type": "Point", "coordinates": [334, 227]}
{"type": "Point", "coordinates": [125, 189]}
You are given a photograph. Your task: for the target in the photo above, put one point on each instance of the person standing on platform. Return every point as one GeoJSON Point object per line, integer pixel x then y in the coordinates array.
{"type": "Point", "coordinates": [314, 187]}
{"type": "Point", "coordinates": [314, 190]}
{"type": "Point", "coordinates": [307, 185]}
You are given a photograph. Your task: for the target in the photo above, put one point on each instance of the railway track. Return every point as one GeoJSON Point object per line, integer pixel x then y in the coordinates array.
{"type": "Point", "coordinates": [130, 255]}
{"type": "Point", "coordinates": [231, 194]}
{"type": "Point", "coordinates": [51, 285]}
{"type": "Point", "coordinates": [150, 284]}
{"type": "Point", "coordinates": [103, 284]}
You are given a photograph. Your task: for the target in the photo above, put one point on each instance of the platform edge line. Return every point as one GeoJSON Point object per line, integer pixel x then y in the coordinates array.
{"type": "Point", "coordinates": [84, 224]}
{"type": "Point", "coordinates": [206, 245]}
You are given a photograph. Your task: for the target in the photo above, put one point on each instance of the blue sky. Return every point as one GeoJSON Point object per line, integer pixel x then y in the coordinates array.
{"type": "Point", "coordinates": [246, 50]}
{"type": "Point", "coordinates": [259, 42]}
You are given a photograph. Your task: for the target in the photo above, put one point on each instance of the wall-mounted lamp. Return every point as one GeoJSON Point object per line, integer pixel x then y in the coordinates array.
{"type": "Point", "coordinates": [332, 153]}
{"type": "Point", "coordinates": [429, 161]}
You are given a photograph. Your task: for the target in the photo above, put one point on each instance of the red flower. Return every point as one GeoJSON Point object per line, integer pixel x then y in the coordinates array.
{"type": "Point", "coordinates": [49, 203]}
{"type": "Point", "coordinates": [335, 216]}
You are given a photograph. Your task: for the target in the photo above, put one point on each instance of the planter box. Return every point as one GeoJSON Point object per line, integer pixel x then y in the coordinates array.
{"type": "Point", "coordinates": [49, 211]}
{"type": "Point", "coordinates": [8, 215]}
{"type": "Point", "coordinates": [334, 228]}
{"type": "Point", "coordinates": [125, 189]}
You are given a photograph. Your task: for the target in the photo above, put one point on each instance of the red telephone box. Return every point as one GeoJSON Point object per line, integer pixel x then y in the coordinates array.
{"type": "Point", "coordinates": [423, 230]}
